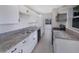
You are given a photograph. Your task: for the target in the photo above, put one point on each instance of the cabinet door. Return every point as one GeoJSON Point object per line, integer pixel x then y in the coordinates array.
{"type": "Point", "coordinates": [29, 43]}
{"type": "Point", "coordinates": [33, 40]}
{"type": "Point", "coordinates": [33, 43]}
{"type": "Point", "coordinates": [9, 14]}
{"type": "Point", "coordinates": [25, 45]}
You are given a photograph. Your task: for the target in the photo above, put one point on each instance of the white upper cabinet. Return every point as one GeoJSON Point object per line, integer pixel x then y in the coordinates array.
{"type": "Point", "coordinates": [9, 14]}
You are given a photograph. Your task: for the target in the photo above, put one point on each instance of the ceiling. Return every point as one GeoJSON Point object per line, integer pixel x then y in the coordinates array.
{"type": "Point", "coordinates": [43, 8]}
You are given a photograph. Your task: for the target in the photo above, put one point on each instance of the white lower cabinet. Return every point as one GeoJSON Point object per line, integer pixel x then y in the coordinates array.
{"type": "Point", "coordinates": [32, 41]}
{"type": "Point", "coordinates": [25, 46]}
{"type": "Point", "coordinates": [15, 49]}
{"type": "Point", "coordinates": [66, 46]}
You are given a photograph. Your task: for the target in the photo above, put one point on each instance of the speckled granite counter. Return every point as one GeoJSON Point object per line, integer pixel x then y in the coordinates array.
{"type": "Point", "coordinates": [10, 39]}
{"type": "Point", "coordinates": [64, 35]}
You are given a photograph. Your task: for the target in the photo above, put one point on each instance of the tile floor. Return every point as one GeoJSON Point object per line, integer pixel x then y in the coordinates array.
{"type": "Point", "coordinates": [45, 45]}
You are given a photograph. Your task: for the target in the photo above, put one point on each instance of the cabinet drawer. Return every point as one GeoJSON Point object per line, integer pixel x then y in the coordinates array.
{"type": "Point", "coordinates": [15, 49]}
{"type": "Point", "coordinates": [29, 45]}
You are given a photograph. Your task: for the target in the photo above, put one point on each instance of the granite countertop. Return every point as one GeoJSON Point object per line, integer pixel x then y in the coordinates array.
{"type": "Point", "coordinates": [64, 35]}
{"type": "Point", "coordinates": [10, 42]}
{"type": "Point", "coordinates": [10, 39]}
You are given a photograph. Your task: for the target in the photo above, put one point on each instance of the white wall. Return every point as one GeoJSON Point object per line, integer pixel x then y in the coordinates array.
{"type": "Point", "coordinates": [69, 18]}
{"type": "Point", "coordinates": [54, 14]}
{"type": "Point", "coordinates": [47, 16]}
{"type": "Point", "coordinates": [25, 22]}
{"type": "Point", "coordinates": [9, 14]}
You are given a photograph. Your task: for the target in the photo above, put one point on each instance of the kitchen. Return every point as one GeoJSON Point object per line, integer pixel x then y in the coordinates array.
{"type": "Point", "coordinates": [37, 29]}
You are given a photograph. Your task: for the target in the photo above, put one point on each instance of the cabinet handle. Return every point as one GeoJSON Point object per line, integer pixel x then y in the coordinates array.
{"type": "Point", "coordinates": [24, 42]}
{"type": "Point", "coordinates": [33, 38]}
{"type": "Point", "coordinates": [14, 50]}
{"type": "Point", "coordinates": [21, 51]}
